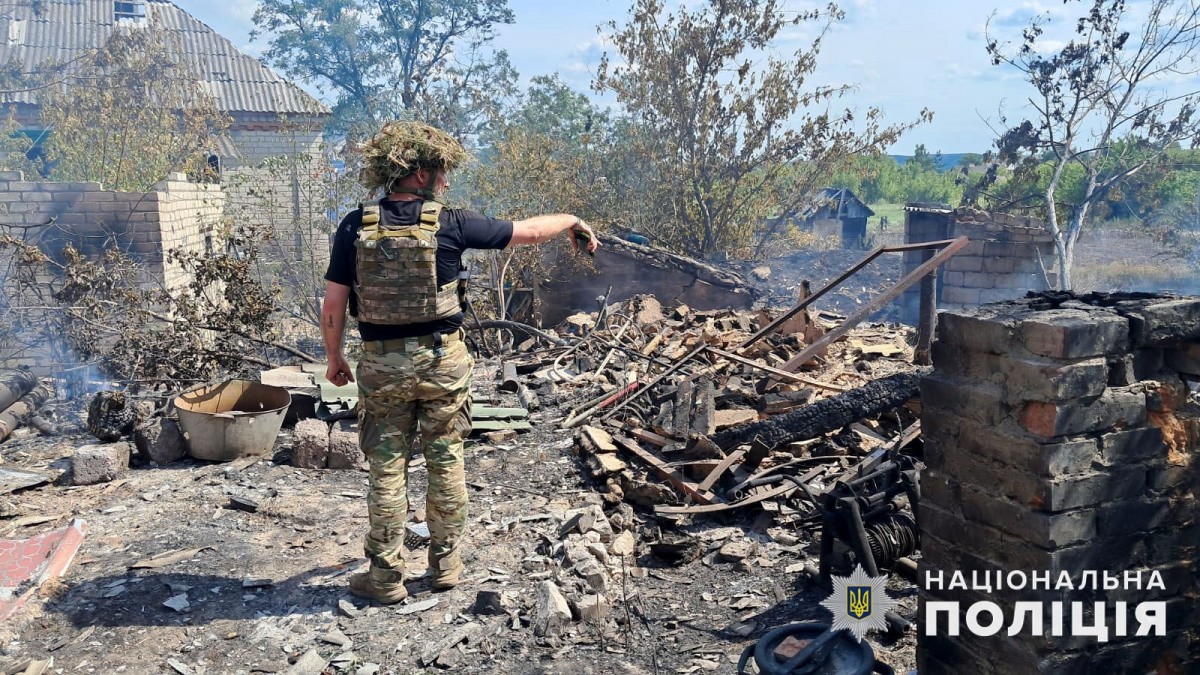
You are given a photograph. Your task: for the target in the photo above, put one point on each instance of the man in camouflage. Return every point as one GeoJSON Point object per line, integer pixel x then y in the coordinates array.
{"type": "Point", "coordinates": [394, 266]}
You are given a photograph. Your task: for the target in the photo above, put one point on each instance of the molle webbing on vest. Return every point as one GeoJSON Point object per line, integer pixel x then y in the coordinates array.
{"type": "Point", "coordinates": [396, 280]}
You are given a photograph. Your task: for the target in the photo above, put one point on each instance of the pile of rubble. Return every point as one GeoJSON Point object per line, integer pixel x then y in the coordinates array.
{"type": "Point", "coordinates": [699, 412]}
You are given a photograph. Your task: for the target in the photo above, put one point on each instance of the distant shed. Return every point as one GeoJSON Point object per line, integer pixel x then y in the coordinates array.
{"type": "Point", "coordinates": [838, 212]}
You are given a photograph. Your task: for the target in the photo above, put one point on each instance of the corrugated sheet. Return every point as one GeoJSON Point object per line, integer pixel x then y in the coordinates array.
{"type": "Point", "coordinates": [65, 29]}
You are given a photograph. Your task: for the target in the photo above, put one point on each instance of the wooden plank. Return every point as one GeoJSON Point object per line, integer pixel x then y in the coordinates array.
{"type": "Point", "coordinates": [672, 477]}
{"type": "Point", "coordinates": [720, 469]}
{"type": "Point", "coordinates": [500, 425]}
{"type": "Point", "coordinates": [649, 437]}
{"type": "Point", "coordinates": [783, 374]}
{"type": "Point", "coordinates": [484, 412]}
{"type": "Point", "coordinates": [785, 489]}
{"type": "Point", "coordinates": [874, 305]}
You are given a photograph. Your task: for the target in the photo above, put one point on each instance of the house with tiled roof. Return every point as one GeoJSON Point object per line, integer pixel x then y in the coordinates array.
{"type": "Point", "coordinates": [272, 117]}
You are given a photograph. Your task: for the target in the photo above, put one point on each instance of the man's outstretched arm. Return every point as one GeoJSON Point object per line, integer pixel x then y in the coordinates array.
{"type": "Point", "coordinates": [541, 229]}
{"type": "Point", "coordinates": [333, 327]}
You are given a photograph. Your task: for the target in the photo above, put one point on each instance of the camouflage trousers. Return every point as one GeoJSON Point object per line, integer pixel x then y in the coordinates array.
{"type": "Point", "coordinates": [408, 396]}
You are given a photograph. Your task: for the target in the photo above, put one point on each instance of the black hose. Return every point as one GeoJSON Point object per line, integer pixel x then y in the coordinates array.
{"type": "Point", "coordinates": [763, 651]}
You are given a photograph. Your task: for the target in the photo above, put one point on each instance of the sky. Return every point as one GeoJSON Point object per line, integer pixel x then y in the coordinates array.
{"type": "Point", "coordinates": [901, 55]}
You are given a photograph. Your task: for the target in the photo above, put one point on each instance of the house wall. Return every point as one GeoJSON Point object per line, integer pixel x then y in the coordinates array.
{"type": "Point", "coordinates": [1001, 261]}
{"type": "Point", "coordinates": [176, 214]}
{"type": "Point", "coordinates": [271, 182]}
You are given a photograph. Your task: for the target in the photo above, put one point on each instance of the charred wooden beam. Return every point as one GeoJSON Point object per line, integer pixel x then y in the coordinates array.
{"type": "Point", "coordinates": [13, 385]}
{"type": "Point", "coordinates": [827, 414]}
{"type": "Point", "coordinates": [20, 412]}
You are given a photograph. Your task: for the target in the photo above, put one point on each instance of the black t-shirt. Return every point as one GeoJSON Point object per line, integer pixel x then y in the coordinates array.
{"type": "Point", "coordinates": [460, 230]}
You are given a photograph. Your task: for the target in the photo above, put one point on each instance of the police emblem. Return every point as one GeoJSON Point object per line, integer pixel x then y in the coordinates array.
{"type": "Point", "coordinates": [859, 602]}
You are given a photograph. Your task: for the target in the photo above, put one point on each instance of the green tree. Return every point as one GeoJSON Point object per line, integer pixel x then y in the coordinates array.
{"type": "Point", "coordinates": [387, 59]}
{"type": "Point", "coordinates": [130, 114]}
{"type": "Point", "coordinates": [731, 131]}
{"type": "Point", "coordinates": [1099, 110]}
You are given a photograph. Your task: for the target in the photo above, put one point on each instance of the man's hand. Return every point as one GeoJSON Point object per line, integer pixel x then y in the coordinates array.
{"type": "Point", "coordinates": [338, 371]}
{"type": "Point", "coordinates": [581, 230]}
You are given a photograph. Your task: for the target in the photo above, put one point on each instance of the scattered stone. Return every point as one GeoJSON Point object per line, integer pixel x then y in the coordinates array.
{"type": "Point", "coordinates": [489, 603]}
{"type": "Point", "coordinates": [309, 664]}
{"type": "Point", "coordinates": [623, 544]}
{"type": "Point", "coordinates": [367, 669]}
{"type": "Point", "coordinates": [599, 552]}
{"type": "Point", "coordinates": [243, 504]}
{"type": "Point", "coordinates": [553, 613]}
{"type": "Point", "coordinates": [594, 608]}
{"type": "Point", "coordinates": [336, 638]}
{"type": "Point", "coordinates": [598, 439]}
{"type": "Point", "coordinates": [436, 650]}
{"type": "Point", "coordinates": [92, 464]}
{"type": "Point", "coordinates": [501, 436]}
{"type": "Point", "coordinates": [419, 606]}
{"type": "Point", "coordinates": [347, 608]}
{"type": "Point", "coordinates": [736, 551]}
{"type": "Point", "coordinates": [575, 550]}
{"type": "Point", "coordinates": [649, 312]}
{"type": "Point", "coordinates": [761, 273]}
{"type": "Point", "coordinates": [160, 441]}
{"type": "Point", "coordinates": [179, 603]}
{"type": "Point", "coordinates": [178, 666]}
{"type": "Point", "coordinates": [247, 582]}
{"type": "Point", "coordinates": [310, 444]}
{"type": "Point", "coordinates": [590, 518]}
{"type": "Point", "coordinates": [594, 574]}
{"type": "Point", "coordinates": [344, 451]}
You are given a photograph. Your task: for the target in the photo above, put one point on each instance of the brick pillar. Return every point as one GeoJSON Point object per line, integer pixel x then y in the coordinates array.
{"type": "Point", "coordinates": [1044, 427]}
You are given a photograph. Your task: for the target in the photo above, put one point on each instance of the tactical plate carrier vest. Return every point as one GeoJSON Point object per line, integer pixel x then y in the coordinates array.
{"type": "Point", "coordinates": [397, 271]}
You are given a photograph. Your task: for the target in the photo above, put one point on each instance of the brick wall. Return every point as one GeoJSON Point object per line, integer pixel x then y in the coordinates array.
{"type": "Point", "coordinates": [1059, 438]}
{"type": "Point", "coordinates": [1000, 262]}
{"type": "Point", "coordinates": [175, 215]}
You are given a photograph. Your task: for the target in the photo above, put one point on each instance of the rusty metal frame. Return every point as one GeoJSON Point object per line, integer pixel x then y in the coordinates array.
{"type": "Point", "coordinates": [948, 248]}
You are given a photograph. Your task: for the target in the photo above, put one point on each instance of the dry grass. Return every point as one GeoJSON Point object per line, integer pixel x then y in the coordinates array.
{"type": "Point", "coordinates": [1161, 273]}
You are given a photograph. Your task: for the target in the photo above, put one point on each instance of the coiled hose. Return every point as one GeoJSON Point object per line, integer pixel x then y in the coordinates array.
{"type": "Point", "coordinates": [823, 641]}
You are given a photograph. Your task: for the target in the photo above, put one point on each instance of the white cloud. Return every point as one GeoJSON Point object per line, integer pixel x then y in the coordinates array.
{"type": "Point", "coordinates": [242, 10]}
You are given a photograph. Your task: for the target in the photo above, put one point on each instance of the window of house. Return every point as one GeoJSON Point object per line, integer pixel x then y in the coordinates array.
{"type": "Point", "coordinates": [134, 10]}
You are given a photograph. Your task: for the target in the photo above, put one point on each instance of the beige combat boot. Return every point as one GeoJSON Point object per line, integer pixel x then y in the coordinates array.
{"type": "Point", "coordinates": [364, 587]}
{"type": "Point", "coordinates": [449, 577]}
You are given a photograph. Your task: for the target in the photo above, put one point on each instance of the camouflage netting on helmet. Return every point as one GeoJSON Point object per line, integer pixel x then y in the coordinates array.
{"type": "Point", "coordinates": [401, 148]}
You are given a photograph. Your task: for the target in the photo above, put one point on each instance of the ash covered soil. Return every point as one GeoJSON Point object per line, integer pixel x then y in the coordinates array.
{"type": "Point", "coordinates": [306, 538]}
{"type": "Point", "coordinates": [781, 287]}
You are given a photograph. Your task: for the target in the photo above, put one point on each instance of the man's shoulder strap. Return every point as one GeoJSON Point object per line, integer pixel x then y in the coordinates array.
{"type": "Point", "coordinates": [431, 211]}
{"type": "Point", "coordinates": [370, 215]}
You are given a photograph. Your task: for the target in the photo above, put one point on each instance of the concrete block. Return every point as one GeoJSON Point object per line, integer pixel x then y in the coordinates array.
{"type": "Point", "coordinates": [965, 263]}
{"type": "Point", "coordinates": [981, 330]}
{"type": "Point", "coordinates": [1135, 516]}
{"type": "Point", "coordinates": [978, 401]}
{"type": "Point", "coordinates": [1167, 322]}
{"type": "Point", "coordinates": [1184, 358]}
{"type": "Point", "coordinates": [310, 444]}
{"type": "Point", "coordinates": [1135, 445]}
{"type": "Point", "coordinates": [1006, 445]}
{"type": "Point", "coordinates": [1116, 408]}
{"type": "Point", "coordinates": [1074, 334]}
{"type": "Point", "coordinates": [344, 450]}
{"type": "Point", "coordinates": [99, 463]}
{"type": "Point", "coordinates": [999, 265]}
{"type": "Point", "coordinates": [978, 280]}
{"type": "Point", "coordinates": [160, 441]}
{"type": "Point", "coordinates": [1049, 530]}
{"type": "Point", "coordinates": [952, 279]}
{"type": "Point", "coordinates": [960, 296]}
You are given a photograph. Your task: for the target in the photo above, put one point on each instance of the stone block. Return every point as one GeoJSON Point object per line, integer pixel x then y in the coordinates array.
{"type": "Point", "coordinates": [1023, 379]}
{"type": "Point", "coordinates": [960, 296]}
{"type": "Point", "coordinates": [978, 280]}
{"type": "Point", "coordinates": [1049, 530]}
{"type": "Point", "coordinates": [1135, 445]}
{"type": "Point", "coordinates": [979, 401]}
{"type": "Point", "coordinates": [344, 451]}
{"type": "Point", "coordinates": [952, 279]}
{"type": "Point", "coordinates": [310, 444]}
{"type": "Point", "coordinates": [1075, 334]}
{"type": "Point", "coordinates": [160, 441]}
{"type": "Point", "coordinates": [981, 330]}
{"type": "Point", "coordinates": [1166, 322]}
{"type": "Point", "coordinates": [99, 463]}
{"type": "Point", "coordinates": [1116, 408]}
{"type": "Point", "coordinates": [998, 265]}
{"type": "Point", "coordinates": [1184, 358]}
{"type": "Point", "coordinates": [1135, 516]}
{"type": "Point", "coordinates": [965, 263]}
{"type": "Point", "coordinates": [552, 613]}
